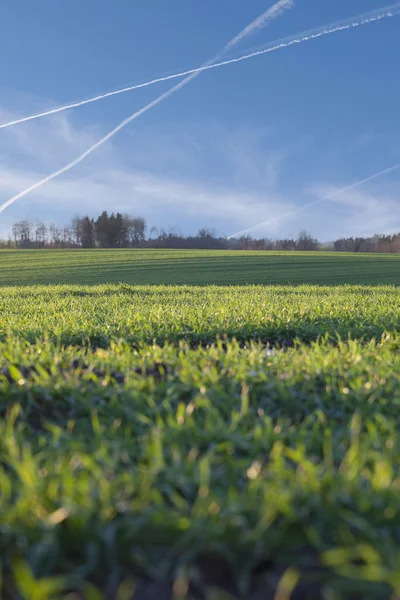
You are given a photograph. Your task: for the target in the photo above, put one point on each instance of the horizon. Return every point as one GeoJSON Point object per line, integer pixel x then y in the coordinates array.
{"type": "Point", "coordinates": [27, 234]}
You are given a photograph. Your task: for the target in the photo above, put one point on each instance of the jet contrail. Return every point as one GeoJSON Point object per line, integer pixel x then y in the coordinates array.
{"type": "Point", "coordinates": [376, 15]}
{"type": "Point", "coordinates": [267, 16]}
{"type": "Point", "coordinates": [272, 13]}
{"type": "Point", "coordinates": [324, 199]}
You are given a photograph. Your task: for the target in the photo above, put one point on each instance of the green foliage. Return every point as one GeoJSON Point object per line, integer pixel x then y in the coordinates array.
{"type": "Point", "coordinates": [249, 455]}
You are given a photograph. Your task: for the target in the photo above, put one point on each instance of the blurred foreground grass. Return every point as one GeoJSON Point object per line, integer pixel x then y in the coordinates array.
{"type": "Point", "coordinates": [133, 468]}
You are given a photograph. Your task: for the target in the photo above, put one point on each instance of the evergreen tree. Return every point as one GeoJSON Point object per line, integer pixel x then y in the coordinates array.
{"type": "Point", "coordinates": [121, 231]}
{"type": "Point", "coordinates": [101, 227]}
{"type": "Point", "coordinates": [87, 233]}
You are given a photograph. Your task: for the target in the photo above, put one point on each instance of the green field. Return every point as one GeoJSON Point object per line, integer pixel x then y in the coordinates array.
{"type": "Point", "coordinates": [195, 267]}
{"type": "Point", "coordinates": [199, 441]}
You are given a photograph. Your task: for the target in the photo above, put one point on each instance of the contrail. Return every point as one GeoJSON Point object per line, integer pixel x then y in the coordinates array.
{"type": "Point", "coordinates": [267, 16]}
{"type": "Point", "coordinates": [324, 199]}
{"type": "Point", "coordinates": [272, 13]}
{"type": "Point", "coordinates": [365, 18]}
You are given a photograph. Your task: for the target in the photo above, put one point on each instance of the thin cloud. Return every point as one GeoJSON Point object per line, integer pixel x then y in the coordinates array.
{"type": "Point", "coordinates": [330, 196]}
{"type": "Point", "coordinates": [186, 202]}
{"type": "Point", "coordinates": [243, 194]}
{"type": "Point", "coordinates": [271, 15]}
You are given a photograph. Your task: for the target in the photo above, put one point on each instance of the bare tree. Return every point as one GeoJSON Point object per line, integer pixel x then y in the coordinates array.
{"type": "Point", "coordinates": [135, 230]}
{"type": "Point", "coordinates": [40, 234]}
{"type": "Point", "coordinates": [77, 229]}
{"type": "Point", "coordinates": [68, 237]}
{"type": "Point", "coordinates": [22, 232]}
{"type": "Point", "coordinates": [56, 235]}
{"type": "Point", "coordinates": [16, 230]}
{"type": "Point", "coordinates": [306, 242]}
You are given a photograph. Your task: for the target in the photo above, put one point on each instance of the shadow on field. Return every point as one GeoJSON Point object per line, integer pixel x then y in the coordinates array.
{"type": "Point", "coordinates": [273, 334]}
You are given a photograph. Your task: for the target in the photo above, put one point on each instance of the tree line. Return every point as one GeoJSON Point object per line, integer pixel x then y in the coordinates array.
{"type": "Point", "coordinates": [106, 231]}
{"type": "Point", "coordinates": [118, 230]}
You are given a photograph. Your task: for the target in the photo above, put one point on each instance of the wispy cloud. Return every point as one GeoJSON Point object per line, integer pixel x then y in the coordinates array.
{"type": "Point", "coordinates": [248, 181]}
{"type": "Point", "coordinates": [269, 15]}
{"type": "Point", "coordinates": [364, 212]}
{"type": "Point", "coordinates": [112, 181]}
{"type": "Point", "coordinates": [273, 13]}
{"type": "Point", "coordinates": [162, 201]}
{"type": "Point", "coordinates": [332, 195]}
{"type": "Point", "coordinates": [355, 212]}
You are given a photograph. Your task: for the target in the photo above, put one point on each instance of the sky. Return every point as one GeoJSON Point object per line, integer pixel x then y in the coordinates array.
{"type": "Point", "coordinates": [237, 146]}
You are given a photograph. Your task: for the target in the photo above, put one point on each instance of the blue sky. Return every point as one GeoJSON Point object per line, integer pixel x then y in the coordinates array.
{"type": "Point", "coordinates": [235, 147]}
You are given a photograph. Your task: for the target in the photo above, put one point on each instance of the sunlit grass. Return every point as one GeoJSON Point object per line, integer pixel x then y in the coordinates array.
{"type": "Point", "coordinates": [100, 314]}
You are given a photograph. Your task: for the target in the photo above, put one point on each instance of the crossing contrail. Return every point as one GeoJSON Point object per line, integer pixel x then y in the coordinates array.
{"type": "Point", "coordinates": [272, 13]}
{"type": "Point", "coordinates": [269, 15]}
{"type": "Point", "coordinates": [310, 204]}
{"type": "Point", "coordinates": [365, 18]}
